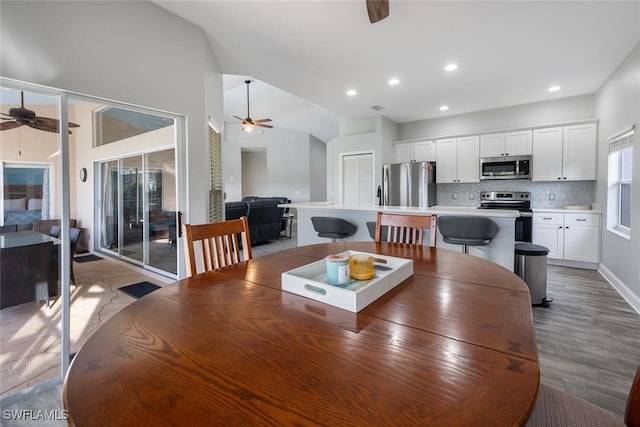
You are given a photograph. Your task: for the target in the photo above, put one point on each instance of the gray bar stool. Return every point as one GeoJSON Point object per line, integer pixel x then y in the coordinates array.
{"type": "Point", "coordinates": [467, 230]}
{"type": "Point", "coordinates": [333, 228]}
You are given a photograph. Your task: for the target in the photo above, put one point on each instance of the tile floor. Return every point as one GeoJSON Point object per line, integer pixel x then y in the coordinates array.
{"type": "Point", "coordinates": [30, 333]}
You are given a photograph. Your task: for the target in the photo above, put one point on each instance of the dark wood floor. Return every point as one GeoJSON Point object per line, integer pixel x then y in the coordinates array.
{"type": "Point", "coordinates": [588, 338]}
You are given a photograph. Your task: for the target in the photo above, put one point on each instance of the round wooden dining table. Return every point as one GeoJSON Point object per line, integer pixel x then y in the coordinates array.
{"type": "Point", "coordinates": [452, 345]}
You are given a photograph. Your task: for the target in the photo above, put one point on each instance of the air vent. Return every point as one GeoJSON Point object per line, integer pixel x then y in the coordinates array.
{"type": "Point", "coordinates": [377, 108]}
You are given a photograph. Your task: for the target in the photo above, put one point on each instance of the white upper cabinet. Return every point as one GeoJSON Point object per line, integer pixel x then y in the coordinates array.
{"type": "Point", "coordinates": [492, 145]}
{"type": "Point", "coordinates": [547, 154]}
{"type": "Point", "coordinates": [579, 152]}
{"type": "Point", "coordinates": [424, 151]}
{"type": "Point", "coordinates": [420, 151]}
{"type": "Point", "coordinates": [518, 143]}
{"type": "Point", "coordinates": [403, 153]}
{"type": "Point", "coordinates": [458, 160]}
{"type": "Point", "coordinates": [506, 144]}
{"type": "Point", "coordinates": [565, 153]}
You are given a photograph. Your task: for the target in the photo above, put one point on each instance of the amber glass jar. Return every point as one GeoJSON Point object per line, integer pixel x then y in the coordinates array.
{"type": "Point", "coordinates": [361, 267]}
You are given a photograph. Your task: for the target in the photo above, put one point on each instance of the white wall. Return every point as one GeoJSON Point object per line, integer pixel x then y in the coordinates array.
{"type": "Point", "coordinates": [617, 106]}
{"type": "Point", "coordinates": [533, 114]}
{"type": "Point", "coordinates": [134, 52]}
{"type": "Point", "coordinates": [288, 162]}
{"type": "Point", "coordinates": [378, 141]}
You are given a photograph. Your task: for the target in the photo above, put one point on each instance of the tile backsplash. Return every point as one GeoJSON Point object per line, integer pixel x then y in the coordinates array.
{"type": "Point", "coordinates": [543, 194]}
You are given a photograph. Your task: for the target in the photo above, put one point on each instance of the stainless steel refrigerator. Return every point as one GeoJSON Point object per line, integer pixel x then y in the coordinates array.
{"type": "Point", "coordinates": [409, 184]}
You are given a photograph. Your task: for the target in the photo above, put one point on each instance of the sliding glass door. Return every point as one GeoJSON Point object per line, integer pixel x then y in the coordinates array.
{"type": "Point", "coordinates": [137, 215]}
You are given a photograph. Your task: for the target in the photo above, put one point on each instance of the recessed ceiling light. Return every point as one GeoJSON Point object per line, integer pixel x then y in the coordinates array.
{"type": "Point", "coordinates": [393, 82]}
{"type": "Point", "coordinates": [351, 92]}
{"type": "Point", "coordinates": [554, 88]}
{"type": "Point", "coordinates": [444, 108]}
{"type": "Point", "coordinates": [451, 67]}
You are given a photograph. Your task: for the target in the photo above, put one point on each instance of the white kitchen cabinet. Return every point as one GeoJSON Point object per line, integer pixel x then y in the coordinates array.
{"type": "Point", "coordinates": [419, 151]}
{"type": "Point", "coordinates": [458, 160]}
{"type": "Point", "coordinates": [548, 231]}
{"type": "Point", "coordinates": [566, 153]}
{"type": "Point", "coordinates": [518, 143]}
{"type": "Point", "coordinates": [403, 153]}
{"type": "Point", "coordinates": [568, 236]}
{"type": "Point", "coordinates": [582, 237]}
{"type": "Point", "coordinates": [492, 145]}
{"type": "Point", "coordinates": [506, 144]}
{"type": "Point", "coordinates": [579, 152]}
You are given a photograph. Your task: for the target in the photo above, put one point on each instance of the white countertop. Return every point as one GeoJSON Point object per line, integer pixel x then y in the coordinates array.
{"type": "Point", "coordinates": [436, 210]}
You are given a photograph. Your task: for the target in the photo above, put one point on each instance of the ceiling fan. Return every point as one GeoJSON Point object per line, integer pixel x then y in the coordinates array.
{"type": "Point", "coordinates": [248, 124]}
{"type": "Point", "coordinates": [378, 10]}
{"type": "Point", "coordinates": [21, 116]}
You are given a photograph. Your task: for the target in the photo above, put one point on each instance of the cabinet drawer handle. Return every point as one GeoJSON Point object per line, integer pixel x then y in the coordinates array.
{"type": "Point", "coordinates": [581, 219]}
{"type": "Point", "coordinates": [546, 218]}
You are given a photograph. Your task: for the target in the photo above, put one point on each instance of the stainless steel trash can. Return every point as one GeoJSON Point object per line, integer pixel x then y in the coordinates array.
{"type": "Point", "coordinates": [531, 265]}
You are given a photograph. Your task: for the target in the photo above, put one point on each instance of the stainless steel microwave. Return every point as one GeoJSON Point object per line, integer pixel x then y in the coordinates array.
{"type": "Point", "coordinates": [505, 167]}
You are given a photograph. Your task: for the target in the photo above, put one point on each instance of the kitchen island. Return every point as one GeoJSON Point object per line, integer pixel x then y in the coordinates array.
{"type": "Point", "coordinates": [500, 250]}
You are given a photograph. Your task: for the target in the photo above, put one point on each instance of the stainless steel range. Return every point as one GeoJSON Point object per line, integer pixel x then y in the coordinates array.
{"type": "Point", "coordinates": [512, 200]}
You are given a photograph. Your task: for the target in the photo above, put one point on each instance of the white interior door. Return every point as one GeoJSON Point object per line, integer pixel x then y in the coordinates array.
{"type": "Point", "coordinates": [358, 179]}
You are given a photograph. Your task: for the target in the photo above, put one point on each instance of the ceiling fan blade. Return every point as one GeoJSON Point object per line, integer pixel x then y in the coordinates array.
{"type": "Point", "coordinates": [46, 124]}
{"type": "Point", "coordinates": [54, 122]}
{"type": "Point", "coordinates": [239, 118]}
{"type": "Point", "coordinates": [262, 120]}
{"type": "Point", "coordinates": [378, 10]}
{"type": "Point", "coordinates": [9, 125]}
{"type": "Point", "coordinates": [263, 125]}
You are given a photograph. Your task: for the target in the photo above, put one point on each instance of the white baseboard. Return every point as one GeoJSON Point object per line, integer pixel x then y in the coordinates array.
{"type": "Point", "coordinates": [618, 285]}
{"type": "Point", "coordinates": [573, 264]}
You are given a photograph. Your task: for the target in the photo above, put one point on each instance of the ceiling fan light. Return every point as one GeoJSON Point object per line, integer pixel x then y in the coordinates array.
{"type": "Point", "coordinates": [247, 128]}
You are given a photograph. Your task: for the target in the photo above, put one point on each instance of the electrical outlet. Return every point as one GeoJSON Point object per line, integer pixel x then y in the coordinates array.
{"type": "Point", "coordinates": [552, 196]}
{"type": "Point", "coordinates": [455, 195]}
{"type": "Point", "coordinates": [471, 196]}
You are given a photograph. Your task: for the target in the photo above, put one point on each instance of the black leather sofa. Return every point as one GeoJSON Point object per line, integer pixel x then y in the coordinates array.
{"type": "Point", "coordinates": [263, 214]}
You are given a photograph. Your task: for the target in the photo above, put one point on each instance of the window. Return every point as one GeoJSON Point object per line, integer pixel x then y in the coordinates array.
{"type": "Point", "coordinates": [619, 192]}
{"type": "Point", "coordinates": [25, 192]}
{"type": "Point", "coordinates": [112, 124]}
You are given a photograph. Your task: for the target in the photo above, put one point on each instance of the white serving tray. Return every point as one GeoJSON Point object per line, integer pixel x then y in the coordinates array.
{"type": "Point", "coordinates": [310, 281]}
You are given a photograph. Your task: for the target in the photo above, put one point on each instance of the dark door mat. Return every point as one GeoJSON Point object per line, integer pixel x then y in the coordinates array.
{"type": "Point", "coordinates": [138, 290]}
{"type": "Point", "coordinates": [87, 258]}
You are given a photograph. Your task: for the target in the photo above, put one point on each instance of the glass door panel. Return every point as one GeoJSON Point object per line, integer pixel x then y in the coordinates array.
{"type": "Point", "coordinates": [138, 219]}
{"type": "Point", "coordinates": [30, 180]}
{"type": "Point", "coordinates": [161, 233]}
{"type": "Point", "coordinates": [132, 215]}
{"type": "Point", "coordinates": [110, 207]}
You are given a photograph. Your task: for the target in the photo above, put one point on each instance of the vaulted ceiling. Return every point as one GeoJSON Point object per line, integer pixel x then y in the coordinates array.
{"type": "Point", "coordinates": [305, 54]}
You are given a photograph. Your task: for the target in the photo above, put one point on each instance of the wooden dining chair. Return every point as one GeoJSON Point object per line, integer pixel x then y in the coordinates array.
{"type": "Point", "coordinates": [555, 407]}
{"type": "Point", "coordinates": [216, 245]}
{"type": "Point", "coordinates": [405, 228]}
